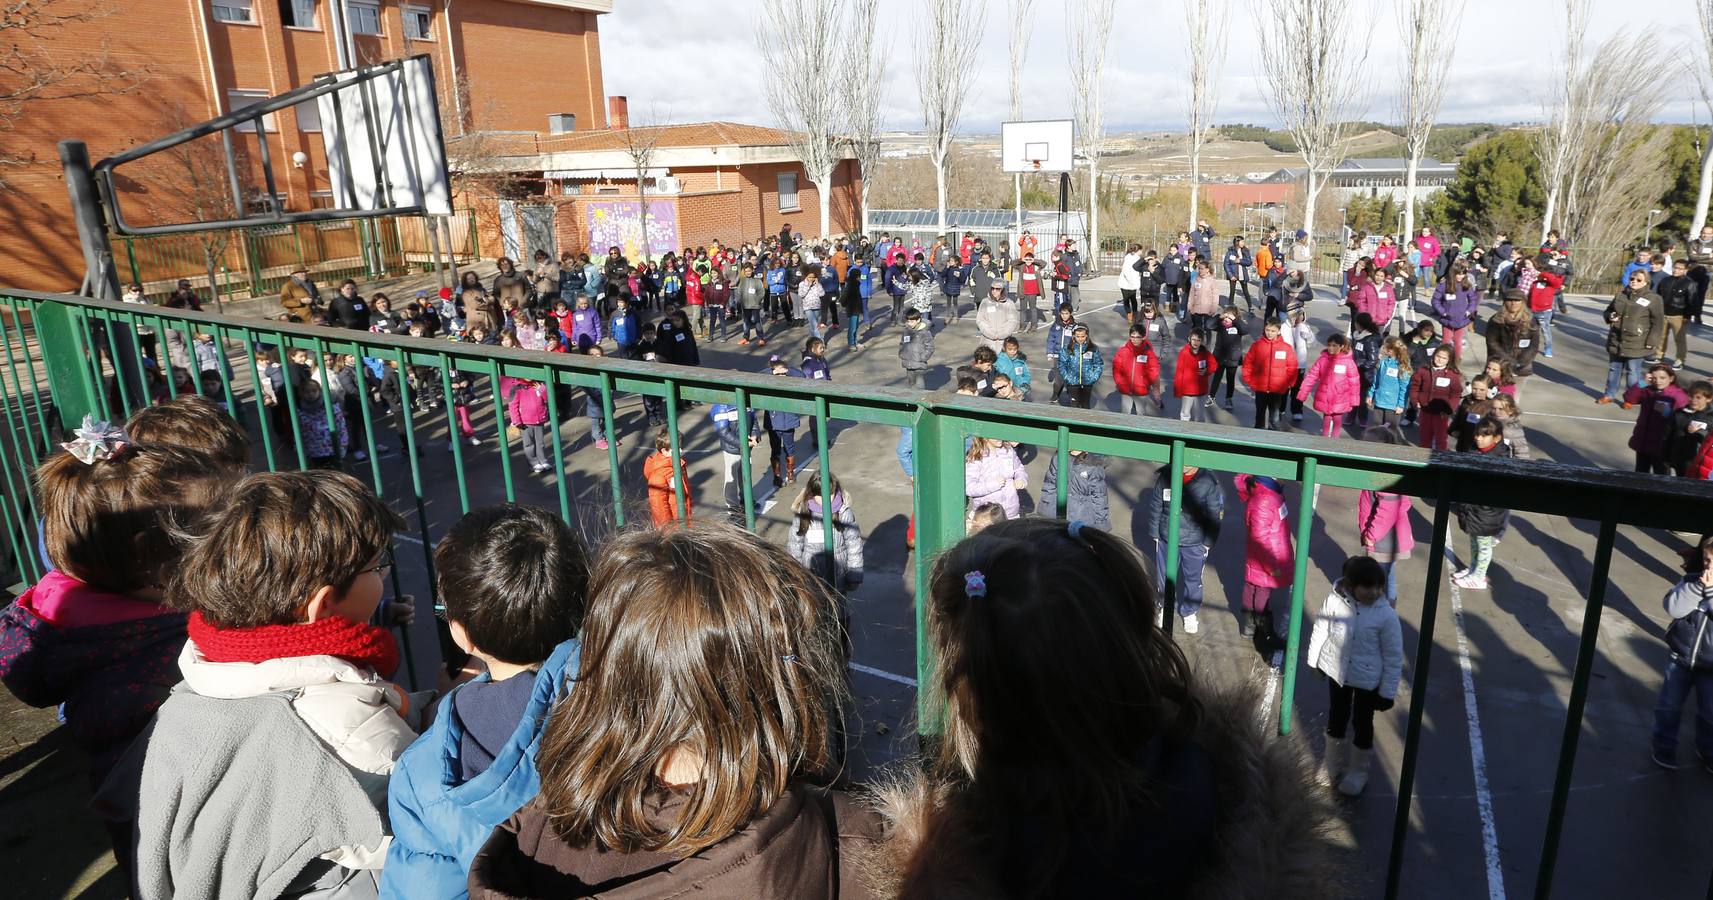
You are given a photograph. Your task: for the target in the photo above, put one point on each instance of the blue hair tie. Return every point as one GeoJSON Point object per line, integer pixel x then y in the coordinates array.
{"type": "Point", "coordinates": [1076, 529]}
{"type": "Point", "coordinates": [975, 585]}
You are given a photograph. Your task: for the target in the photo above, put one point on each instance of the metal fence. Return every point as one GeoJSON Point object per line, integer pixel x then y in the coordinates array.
{"type": "Point", "coordinates": [57, 362]}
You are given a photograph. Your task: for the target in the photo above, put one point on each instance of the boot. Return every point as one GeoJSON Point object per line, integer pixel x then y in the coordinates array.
{"type": "Point", "coordinates": [778, 481]}
{"type": "Point", "coordinates": [1248, 629]}
{"type": "Point", "coordinates": [1331, 761]}
{"type": "Point", "coordinates": [791, 469]}
{"type": "Point", "coordinates": [1357, 778]}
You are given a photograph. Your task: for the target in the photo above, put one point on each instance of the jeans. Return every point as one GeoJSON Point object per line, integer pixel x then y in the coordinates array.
{"type": "Point", "coordinates": [1351, 706]}
{"type": "Point", "coordinates": [1668, 711]}
{"type": "Point", "coordinates": [752, 324]}
{"type": "Point", "coordinates": [813, 317]}
{"type": "Point", "coordinates": [1391, 582]}
{"type": "Point", "coordinates": [1191, 558]}
{"type": "Point", "coordinates": [1620, 374]}
{"type": "Point", "coordinates": [1544, 320]}
{"type": "Point", "coordinates": [851, 323]}
{"type": "Point", "coordinates": [717, 320]}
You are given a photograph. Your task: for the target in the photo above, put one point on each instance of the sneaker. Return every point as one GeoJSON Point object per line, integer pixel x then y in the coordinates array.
{"type": "Point", "coordinates": [1277, 660]}
{"type": "Point", "coordinates": [1471, 582]}
{"type": "Point", "coordinates": [1296, 417]}
{"type": "Point", "coordinates": [1208, 402]}
{"type": "Point", "coordinates": [1664, 760]}
{"type": "Point", "coordinates": [361, 456]}
{"type": "Point", "coordinates": [601, 443]}
{"type": "Point", "coordinates": [475, 441]}
{"type": "Point", "coordinates": [1603, 400]}
{"type": "Point", "coordinates": [1678, 363]}
{"type": "Point", "coordinates": [744, 342]}
{"type": "Point", "coordinates": [1546, 354]}
{"type": "Point", "coordinates": [1191, 626]}
{"type": "Point", "coordinates": [1228, 406]}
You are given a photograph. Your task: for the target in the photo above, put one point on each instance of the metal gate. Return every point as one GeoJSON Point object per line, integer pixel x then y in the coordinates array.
{"type": "Point", "coordinates": [526, 228]}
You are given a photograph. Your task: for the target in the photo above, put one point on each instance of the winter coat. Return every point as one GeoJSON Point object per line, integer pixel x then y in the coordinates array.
{"type": "Point", "coordinates": [751, 293]}
{"type": "Point", "coordinates": [1029, 279]}
{"type": "Point", "coordinates": [1359, 646]}
{"type": "Point", "coordinates": [809, 845]}
{"type": "Point", "coordinates": [1421, 352]}
{"type": "Point", "coordinates": [1085, 493]}
{"type": "Point", "coordinates": [1484, 521]}
{"type": "Point", "coordinates": [1515, 435]}
{"type": "Point", "coordinates": [438, 823]}
{"type": "Point", "coordinates": [1135, 370]}
{"type": "Point", "coordinates": [1158, 331]}
{"type": "Point", "coordinates": [1455, 309]}
{"type": "Point", "coordinates": [980, 278]}
{"type": "Point", "coordinates": [1391, 386]}
{"type": "Point", "coordinates": [1192, 374]}
{"type": "Point", "coordinates": [915, 348]}
{"type": "Point", "coordinates": [1385, 255]}
{"type": "Point", "coordinates": [1129, 277]}
{"type": "Point", "coordinates": [1228, 342]}
{"type": "Point", "coordinates": [1202, 511]}
{"type": "Point", "coordinates": [1436, 390]}
{"type": "Point", "coordinates": [1685, 443]}
{"type": "Point", "coordinates": [1637, 325]}
{"type": "Point", "coordinates": [920, 297]}
{"type": "Point", "coordinates": [815, 368]}
{"type": "Point", "coordinates": [1377, 298]}
{"type": "Point", "coordinates": [1333, 383]}
{"type": "Point", "coordinates": [1204, 297]}
{"type": "Point", "coordinates": [808, 545]}
{"type": "Point", "coordinates": [1081, 365]}
{"type": "Point", "coordinates": [626, 329]}
{"type": "Point", "coordinates": [725, 419]}
{"type": "Point", "coordinates": [810, 294]}
{"type": "Point", "coordinates": [1380, 513]}
{"type": "Point", "coordinates": [1268, 559]}
{"type": "Point", "coordinates": [1677, 294]}
{"type": "Point", "coordinates": [349, 312]}
{"type": "Point", "coordinates": [996, 320]}
{"type": "Point", "coordinates": [1544, 289]}
{"type": "Point", "coordinates": [1365, 348]}
{"type": "Point", "coordinates": [299, 299]}
{"type": "Point", "coordinates": [991, 478]}
{"type": "Point", "coordinates": [1690, 634]}
{"type": "Point", "coordinates": [1270, 366]}
{"type": "Point", "coordinates": [1302, 338]}
{"type": "Point", "coordinates": [526, 401]}
{"type": "Point", "coordinates": [1515, 342]}
{"type": "Point", "coordinates": [1656, 410]}
{"type": "Point", "coordinates": [658, 471]}
{"type": "Point", "coordinates": [585, 325]}
{"type": "Point", "coordinates": [1017, 369]}
{"type": "Point", "coordinates": [1237, 262]}
{"type": "Point", "coordinates": [676, 345]}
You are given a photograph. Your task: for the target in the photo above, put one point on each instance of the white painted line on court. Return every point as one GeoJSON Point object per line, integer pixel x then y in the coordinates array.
{"type": "Point", "coordinates": [1477, 749]}
{"type": "Point", "coordinates": [1267, 700]}
{"type": "Point", "coordinates": [1631, 422]}
{"type": "Point", "coordinates": [405, 537]}
{"type": "Point", "coordinates": [882, 673]}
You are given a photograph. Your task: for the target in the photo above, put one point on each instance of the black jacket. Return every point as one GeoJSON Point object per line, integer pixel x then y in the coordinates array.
{"type": "Point", "coordinates": [1690, 634]}
{"type": "Point", "coordinates": [1677, 293]}
{"type": "Point", "coordinates": [349, 312]}
{"type": "Point", "coordinates": [1228, 342]}
{"type": "Point", "coordinates": [1203, 508]}
{"type": "Point", "coordinates": [1484, 521]}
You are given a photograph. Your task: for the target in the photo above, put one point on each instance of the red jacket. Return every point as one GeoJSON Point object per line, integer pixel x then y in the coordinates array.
{"type": "Point", "coordinates": [1702, 468]}
{"type": "Point", "coordinates": [1029, 279]}
{"type": "Point", "coordinates": [1270, 366]}
{"type": "Point", "coordinates": [1194, 371]}
{"type": "Point", "coordinates": [1541, 292]}
{"type": "Point", "coordinates": [1436, 390]}
{"type": "Point", "coordinates": [693, 290]}
{"type": "Point", "coordinates": [1136, 369]}
{"type": "Point", "coordinates": [965, 248]}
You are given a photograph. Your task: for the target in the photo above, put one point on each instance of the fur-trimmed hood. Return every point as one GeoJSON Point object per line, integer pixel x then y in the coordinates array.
{"type": "Point", "coordinates": [1275, 832]}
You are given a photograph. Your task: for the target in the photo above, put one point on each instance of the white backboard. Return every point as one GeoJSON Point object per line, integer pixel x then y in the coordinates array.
{"type": "Point", "coordinates": [396, 120]}
{"type": "Point", "coordinates": [1024, 144]}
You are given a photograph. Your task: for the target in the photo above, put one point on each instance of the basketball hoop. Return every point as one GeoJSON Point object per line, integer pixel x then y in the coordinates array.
{"type": "Point", "coordinates": [1035, 164]}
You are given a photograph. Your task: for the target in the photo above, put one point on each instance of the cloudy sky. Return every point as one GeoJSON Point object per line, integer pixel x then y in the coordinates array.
{"type": "Point", "coordinates": [696, 60]}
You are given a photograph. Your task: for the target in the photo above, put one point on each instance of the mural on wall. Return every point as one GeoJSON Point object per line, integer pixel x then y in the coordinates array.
{"type": "Point", "coordinates": [619, 223]}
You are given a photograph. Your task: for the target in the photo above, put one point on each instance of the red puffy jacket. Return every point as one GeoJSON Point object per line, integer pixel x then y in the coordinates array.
{"type": "Point", "coordinates": [1135, 369]}
{"type": "Point", "coordinates": [1702, 467]}
{"type": "Point", "coordinates": [1543, 290]}
{"type": "Point", "coordinates": [1194, 371]}
{"type": "Point", "coordinates": [1270, 366]}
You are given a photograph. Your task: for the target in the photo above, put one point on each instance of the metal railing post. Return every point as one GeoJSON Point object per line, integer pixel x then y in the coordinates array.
{"type": "Point", "coordinates": [60, 335]}
{"type": "Point", "coordinates": [939, 500]}
{"type": "Point", "coordinates": [1293, 630]}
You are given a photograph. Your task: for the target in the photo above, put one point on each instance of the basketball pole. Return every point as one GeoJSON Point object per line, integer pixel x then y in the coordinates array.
{"type": "Point", "coordinates": [1017, 180]}
{"type": "Point", "coordinates": [101, 278]}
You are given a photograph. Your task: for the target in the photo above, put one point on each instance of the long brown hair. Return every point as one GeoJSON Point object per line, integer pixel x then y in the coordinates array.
{"type": "Point", "coordinates": [703, 638]}
{"type": "Point", "coordinates": [812, 491]}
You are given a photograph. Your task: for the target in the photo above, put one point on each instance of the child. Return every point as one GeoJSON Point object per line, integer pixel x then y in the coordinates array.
{"type": "Point", "coordinates": [284, 689]}
{"type": "Point", "coordinates": [776, 291]}
{"type": "Point", "coordinates": [1192, 377]}
{"type": "Point", "coordinates": [815, 360]}
{"type": "Point", "coordinates": [1058, 341]}
{"type": "Point", "coordinates": [1334, 384]}
{"type": "Point", "coordinates": [806, 541]}
{"type": "Point", "coordinates": [1498, 372]}
{"type": "Point", "coordinates": [1659, 403]}
{"type": "Point", "coordinates": [665, 477]}
{"type": "Point", "coordinates": [1199, 518]}
{"type": "Point", "coordinates": [1388, 395]}
{"type": "Point", "coordinates": [562, 320]}
{"type": "Point", "coordinates": [1085, 493]}
{"type": "Point", "coordinates": [915, 348]}
{"type": "Point", "coordinates": [1270, 370]}
{"type": "Point", "coordinates": [1689, 638]}
{"type": "Point", "coordinates": [1358, 645]}
{"type": "Point", "coordinates": [463, 396]}
{"type": "Point", "coordinates": [1365, 340]}
{"type": "Point", "coordinates": [1014, 365]}
{"type": "Point", "coordinates": [1433, 390]}
{"type": "Point", "coordinates": [984, 517]}
{"type": "Point", "coordinates": [585, 330]}
{"type": "Point", "coordinates": [1302, 338]}
{"type": "Point", "coordinates": [1136, 375]}
{"type": "Point", "coordinates": [653, 407]}
{"type": "Point", "coordinates": [1689, 427]}
{"type": "Point", "coordinates": [1383, 525]}
{"type": "Point", "coordinates": [514, 581]}
{"type": "Point", "coordinates": [625, 329]}
{"type": "Point", "coordinates": [782, 431]}
{"type": "Point", "coordinates": [1469, 412]}
{"type": "Point", "coordinates": [1268, 560]}
{"type": "Point", "coordinates": [1228, 353]}
{"type": "Point", "coordinates": [1485, 525]}
{"type": "Point", "coordinates": [1079, 367]}
{"type": "Point", "coordinates": [526, 410]}
{"type": "Point", "coordinates": [1420, 344]}
{"type": "Point", "coordinates": [994, 474]}
{"type": "Point", "coordinates": [1505, 409]}
{"type": "Point", "coordinates": [593, 409]}
{"type": "Point", "coordinates": [717, 297]}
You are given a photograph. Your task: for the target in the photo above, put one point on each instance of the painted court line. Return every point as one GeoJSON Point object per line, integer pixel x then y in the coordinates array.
{"type": "Point", "coordinates": [882, 673]}
{"type": "Point", "coordinates": [1631, 422]}
{"type": "Point", "coordinates": [1477, 750]}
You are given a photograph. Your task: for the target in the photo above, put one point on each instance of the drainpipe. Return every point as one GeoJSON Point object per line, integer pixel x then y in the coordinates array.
{"type": "Point", "coordinates": [452, 66]}
{"type": "Point", "coordinates": [215, 99]}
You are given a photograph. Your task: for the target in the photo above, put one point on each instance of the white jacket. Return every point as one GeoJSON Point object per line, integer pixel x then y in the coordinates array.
{"type": "Point", "coordinates": [1128, 278]}
{"type": "Point", "coordinates": [1302, 338]}
{"type": "Point", "coordinates": [1358, 646]}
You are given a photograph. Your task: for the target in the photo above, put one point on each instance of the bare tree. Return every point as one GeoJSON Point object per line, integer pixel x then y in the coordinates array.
{"type": "Point", "coordinates": [947, 43]}
{"type": "Point", "coordinates": [1704, 80]}
{"type": "Point", "coordinates": [192, 183]}
{"type": "Point", "coordinates": [1205, 24]}
{"type": "Point", "coordinates": [1430, 39]}
{"type": "Point", "coordinates": [1089, 28]}
{"type": "Point", "coordinates": [640, 144]}
{"type": "Point", "coordinates": [31, 73]}
{"type": "Point", "coordinates": [799, 39]}
{"type": "Point", "coordinates": [1313, 67]}
{"type": "Point", "coordinates": [1566, 116]}
{"type": "Point", "coordinates": [1018, 47]}
{"type": "Point", "coordinates": [867, 87]}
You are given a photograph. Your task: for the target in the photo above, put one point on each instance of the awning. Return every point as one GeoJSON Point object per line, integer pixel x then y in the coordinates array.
{"type": "Point", "coordinates": [603, 174]}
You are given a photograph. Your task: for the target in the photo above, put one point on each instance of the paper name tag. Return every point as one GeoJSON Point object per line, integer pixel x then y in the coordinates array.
{"type": "Point", "coordinates": [1283, 511]}
{"type": "Point", "coordinates": [819, 374]}
{"type": "Point", "coordinates": [1473, 418]}
{"type": "Point", "coordinates": [904, 340]}
{"type": "Point", "coordinates": [1166, 494]}
{"type": "Point", "coordinates": [1338, 370]}
{"type": "Point", "coordinates": [649, 357]}
{"type": "Point", "coordinates": [1524, 342]}
{"type": "Point", "coordinates": [1201, 365]}
{"type": "Point", "coordinates": [1230, 331]}
{"type": "Point", "coordinates": [1442, 382]}
{"type": "Point", "coordinates": [1280, 354]}
{"type": "Point", "coordinates": [1088, 354]}
{"type": "Point", "coordinates": [358, 307]}
{"type": "Point", "coordinates": [1697, 426]}
{"type": "Point", "coordinates": [679, 335]}
{"type": "Point", "coordinates": [1643, 302]}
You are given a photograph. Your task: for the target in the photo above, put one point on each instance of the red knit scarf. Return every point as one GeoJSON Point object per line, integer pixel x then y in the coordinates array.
{"type": "Point", "coordinates": [369, 646]}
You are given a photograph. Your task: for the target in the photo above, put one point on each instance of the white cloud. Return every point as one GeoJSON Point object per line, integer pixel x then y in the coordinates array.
{"type": "Point", "coordinates": [698, 61]}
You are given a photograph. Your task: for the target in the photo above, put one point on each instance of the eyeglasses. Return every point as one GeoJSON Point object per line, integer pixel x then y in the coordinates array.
{"type": "Point", "coordinates": [381, 568]}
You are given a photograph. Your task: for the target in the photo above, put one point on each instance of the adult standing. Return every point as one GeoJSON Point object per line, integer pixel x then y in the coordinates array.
{"type": "Point", "coordinates": [347, 308]}
{"type": "Point", "coordinates": [996, 317]}
{"type": "Point", "coordinates": [546, 273]}
{"type": "Point", "coordinates": [1700, 255]}
{"type": "Point", "coordinates": [1237, 265]}
{"type": "Point", "coordinates": [1301, 258]}
{"type": "Point", "coordinates": [1636, 324]}
{"type": "Point", "coordinates": [1677, 293]}
{"type": "Point", "coordinates": [299, 296]}
{"type": "Point", "coordinates": [1513, 336]}
{"type": "Point", "coordinates": [785, 242]}
{"type": "Point", "coordinates": [1202, 239]}
{"type": "Point", "coordinates": [510, 286]}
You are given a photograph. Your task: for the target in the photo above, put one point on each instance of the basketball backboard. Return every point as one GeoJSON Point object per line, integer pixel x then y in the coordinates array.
{"type": "Point", "coordinates": [1045, 146]}
{"type": "Point", "coordinates": [393, 120]}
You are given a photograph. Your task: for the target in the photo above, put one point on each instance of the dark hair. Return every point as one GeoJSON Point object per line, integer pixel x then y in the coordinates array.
{"type": "Point", "coordinates": [516, 578]}
{"type": "Point", "coordinates": [1365, 322]}
{"type": "Point", "coordinates": [984, 354]}
{"type": "Point", "coordinates": [1662, 367]}
{"type": "Point", "coordinates": [1363, 571]}
{"type": "Point", "coordinates": [913, 313]}
{"type": "Point", "coordinates": [965, 383]}
{"type": "Point", "coordinates": [1488, 427]}
{"type": "Point", "coordinates": [1705, 388]}
{"type": "Point", "coordinates": [193, 423]}
{"type": "Point", "coordinates": [277, 538]}
{"type": "Point", "coordinates": [1338, 338]}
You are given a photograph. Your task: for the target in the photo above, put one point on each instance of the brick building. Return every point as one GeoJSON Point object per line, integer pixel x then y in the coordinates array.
{"type": "Point", "coordinates": [705, 182]}
{"type": "Point", "coordinates": [526, 60]}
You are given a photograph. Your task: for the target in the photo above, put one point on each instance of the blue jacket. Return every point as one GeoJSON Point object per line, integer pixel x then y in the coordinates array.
{"type": "Point", "coordinates": [725, 418]}
{"type": "Point", "coordinates": [816, 368]}
{"type": "Point", "coordinates": [438, 824]}
{"type": "Point", "coordinates": [1391, 386]}
{"type": "Point", "coordinates": [1058, 338]}
{"type": "Point", "coordinates": [1081, 365]}
{"type": "Point", "coordinates": [626, 329]}
{"type": "Point", "coordinates": [776, 281]}
{"type": "Point", "coordinates": [864, 278]}
{"type": "Point", "coordinates": [1015, 369]}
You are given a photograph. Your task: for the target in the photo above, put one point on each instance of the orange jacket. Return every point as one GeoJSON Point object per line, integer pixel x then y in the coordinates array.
{"type": "Point", "coordinates": [1263, 259]}
{"type": "Point", "coordinates": [661, 494]}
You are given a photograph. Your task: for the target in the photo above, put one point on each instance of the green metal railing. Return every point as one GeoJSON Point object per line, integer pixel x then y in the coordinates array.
{"type": "Point", "coordinates": [74, 342]}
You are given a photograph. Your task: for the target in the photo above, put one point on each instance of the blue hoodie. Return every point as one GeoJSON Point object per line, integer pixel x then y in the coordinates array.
{"type": "Point", "coordinates": [438, 824]}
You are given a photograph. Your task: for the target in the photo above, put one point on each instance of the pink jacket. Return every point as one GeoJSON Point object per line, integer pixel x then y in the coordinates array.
{"type": "Point", "coordinates": [1376, 298]}
{"type": "Point", "coordinates": [1268, 560]}
{"type": "Point", "coordinates": [1385, 255]}
{"type": "Point", "coordinates": [1429, 246]}
{"type": "Point", "coordinates": [526, 401]}
{"type": "Point", "coordinates": [989, 479]}
{"type": "Point", "coordinates": [1391, 513]}
{"type": "Point", "coordinates": [1333, 383]}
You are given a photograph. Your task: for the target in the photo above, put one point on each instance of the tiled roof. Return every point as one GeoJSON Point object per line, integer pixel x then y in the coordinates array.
{"type": "Point", "coordinates": [699, 134]}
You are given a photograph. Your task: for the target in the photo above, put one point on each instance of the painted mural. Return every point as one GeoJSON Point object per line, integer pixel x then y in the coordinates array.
{"type": "Point", "coordinates": [619, 223]}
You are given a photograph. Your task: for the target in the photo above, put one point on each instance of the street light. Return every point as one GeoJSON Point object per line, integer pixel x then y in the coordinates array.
{"type": "Point", "coordinates": [1647, 238]}
{"type": "Point", "coordinates": [1343, 226]}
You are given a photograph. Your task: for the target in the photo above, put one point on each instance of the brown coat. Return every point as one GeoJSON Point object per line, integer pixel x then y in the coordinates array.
{"type": "Point", "coordinates": [813, 844]}
{"type": "Point", "coordinates": [296, 300]}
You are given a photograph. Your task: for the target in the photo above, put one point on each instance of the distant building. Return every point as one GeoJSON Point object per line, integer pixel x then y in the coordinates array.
{"type": "Point", "coordinates": [1372, 178]}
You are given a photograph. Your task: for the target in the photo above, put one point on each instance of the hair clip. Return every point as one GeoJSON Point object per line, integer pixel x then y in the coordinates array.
{"type": "Point", "coordinates": [789, 657]}
{"type": "Point", "coordinates": [975, 585]}
{"type": "Point", "coordinates": [96, 441]}
{"type": "Point", "coordinates": [1075, 527]}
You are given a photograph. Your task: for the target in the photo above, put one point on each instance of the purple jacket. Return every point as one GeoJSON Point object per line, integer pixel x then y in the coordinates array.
{"type": "Point", "coordinates": [990, 479]}
{"type": "Point", "coordinates": [585, 323]}
{"type": "Point", "coordinates": [1653, 418]}
{"type": "Point", "coordinates": [1458, 310]}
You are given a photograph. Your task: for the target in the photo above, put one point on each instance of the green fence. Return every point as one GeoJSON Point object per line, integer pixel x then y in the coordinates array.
{"type": "Point", "coordinates": [58, 363]}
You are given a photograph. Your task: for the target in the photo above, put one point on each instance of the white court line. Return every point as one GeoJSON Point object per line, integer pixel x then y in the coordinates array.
{"type": "Point", "coordinates": [1477, 750]}
{"type": "Point", "coordinates": [1631, 422]}
{"type": "Point", "coordinates": [882, 673]}
{"type": "Point", "coordinates": [1267, 701]}
{"type": "Point", "coordinates": [405, 537]}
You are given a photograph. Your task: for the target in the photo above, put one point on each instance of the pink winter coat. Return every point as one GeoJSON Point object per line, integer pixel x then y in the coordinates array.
{"type": "Point", "coordinates": [1333, 383]}
{"type": "Point", "coordinates": [990, 479]}
{"type": "Point", "coordinates": [1268, 560]}
{"type": "Point", "coordinates": [526, 401]}
{"type": "Point", "coordinates": [1385, 255]}
{"type": "Point", "coordinates": [1391, 513]}
{"type": "Point", "coordinates": [1376, 298]}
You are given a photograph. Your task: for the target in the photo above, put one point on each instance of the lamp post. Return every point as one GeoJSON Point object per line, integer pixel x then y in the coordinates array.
{"type": "Point", "coordinates": [1343, 226]}
{"type": "Point", "coordinates": [1647, 237]}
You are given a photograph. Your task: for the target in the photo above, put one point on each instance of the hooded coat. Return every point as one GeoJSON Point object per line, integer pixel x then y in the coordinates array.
{"type": "Point", "coordinates": [1334, 384]}
{"type": "Point", "coordinates": [808, 545]}
{"type": "Point", "coordinates": [1636, 324]}
{"type": "Point", "coordinates": [1268, 559]}
{"type": "Point", "coordinates": [1085, 493]}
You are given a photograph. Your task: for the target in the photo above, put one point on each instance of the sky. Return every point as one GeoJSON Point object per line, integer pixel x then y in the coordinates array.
{"type": "Point", "coordinates": [697, 60]}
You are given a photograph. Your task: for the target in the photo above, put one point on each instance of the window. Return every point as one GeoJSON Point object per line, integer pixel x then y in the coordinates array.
{"type": "Point", "coordinates": [363, 17]}
{"type": "Point", "coordinates": [262, 204]}
{"type": "Point", "coordinates": [298, 13]}
{"type": "Point", "coordinates": [308, 116]}
{"type": "Point", "coordinates": [238, 99]}
{"type": "Point", "coordinates": [234, 11]}
{"type": "Point", "coordinates": [788, 192]}
{"type": "Point", "coordinates": [418, 23]}
{"type": "Point", "coordinates": [320, 199]}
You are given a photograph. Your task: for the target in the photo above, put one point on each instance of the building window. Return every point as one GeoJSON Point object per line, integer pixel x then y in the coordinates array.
{"type": "Point", "coordinates": [363, 17]}
{"type": "Point", "coordinates": [234, 11]}
{"type": "Point", "coordinates": [238, 99]}
{"type": "Point", "coordinates": [320, 199]}
{"type": "Point", "coordinates": [298, 13]}
{"type": "Point", "coordinates": [261, 204]}
{"type": "Point", "coordinates": [308, 116]}
{"type": "Point", "coordinates": [418, 23]}
{"type": "Point", "coordinates": [788, 192]}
